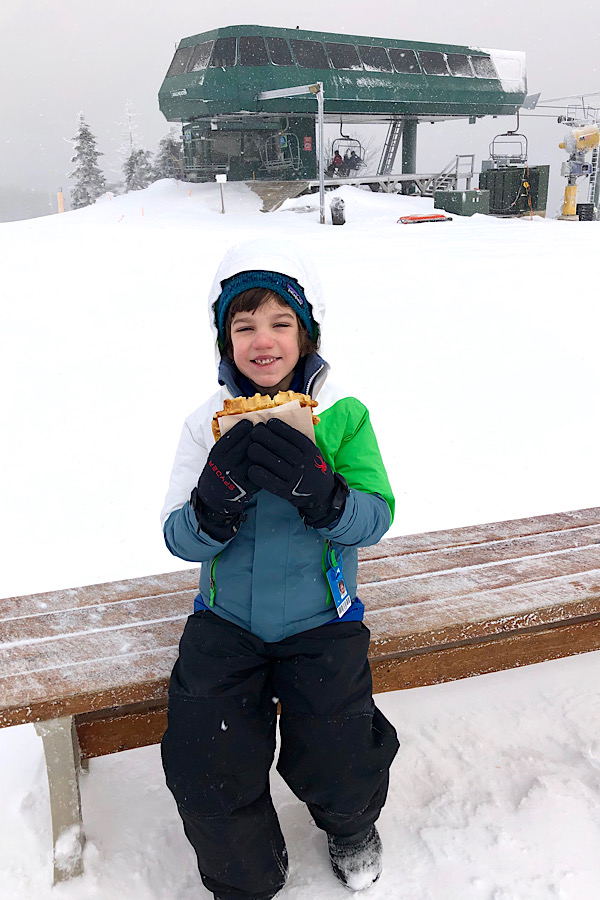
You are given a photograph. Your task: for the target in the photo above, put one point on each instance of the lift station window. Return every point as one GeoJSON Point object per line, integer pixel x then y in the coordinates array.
{"type": "Point", "coordinates": [343, 56]}
{"type": "Point", "coordinates": [405, 62]}
{"type": "Point", "coordinates": [310, 54]}
{"type": "Point", "coordinates": [180, 61]}
{"type": "Point", "coordinates": [252, 52]}
{"type": "Point", "coordinates": [433, 62]}
{"type": "Point", "coordinates": [458, 63]}
{"type": "Point", "coordinates": [223, 54]}
{"type": "Point", "coordinates": [280, 53]}
{"type": "Point", "coordinates": [375, 59]}
{"type": "Point", "coordinates": [508, 68]}
{"type": "Point", "coordinates": [200, 56]}
{"type": "Point", "coordinates": [484, 67]}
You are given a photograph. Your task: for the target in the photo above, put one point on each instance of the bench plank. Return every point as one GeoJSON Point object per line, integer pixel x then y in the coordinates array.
{"type": "Point", "coordinates": [111, 619]}
{"type": "Point", "coordinates": [487, 613]}
{"type": "Point", "coordinates": [121, 729]}
{"type": "Point", "coordinates": [453, 662]}
{"type": "Point", "coordinates": [136, 678]}
{"type": "Point", "coordinates": [444, 585]}
{"type": "Point", "coordinates": [477, 534]}
{"type": "Point", "coordinates": [428, 561]}
{"type": "Point", "coordinates": [50, 668]}
{"type": "Point", "coordinates": [103, 593]}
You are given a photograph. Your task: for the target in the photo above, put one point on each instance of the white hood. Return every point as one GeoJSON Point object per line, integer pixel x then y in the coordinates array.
{"type": "Point", "coordinates": [271, 256]}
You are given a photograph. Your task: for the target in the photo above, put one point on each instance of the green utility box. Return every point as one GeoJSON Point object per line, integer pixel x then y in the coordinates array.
{"type": "Point", "coordinates": [516, 190]}
{"type": "Point", "coordinates": [462, 203]}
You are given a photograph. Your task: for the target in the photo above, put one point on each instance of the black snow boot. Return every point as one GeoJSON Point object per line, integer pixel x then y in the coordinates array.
{"type": "Point", "coordinates": [356, 862]}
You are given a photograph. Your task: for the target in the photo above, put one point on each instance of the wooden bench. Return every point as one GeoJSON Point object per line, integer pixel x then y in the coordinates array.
{"type": "Point", "coordinates": [90, 666]}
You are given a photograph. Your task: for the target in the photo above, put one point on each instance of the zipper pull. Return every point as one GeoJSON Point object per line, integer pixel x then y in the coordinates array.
{"type": "Point", "coordinates": [331, 557]}
{"type": "Point", "coordinates": [213, 584]}
{"type": "Point", "coordinates": [325, 564]}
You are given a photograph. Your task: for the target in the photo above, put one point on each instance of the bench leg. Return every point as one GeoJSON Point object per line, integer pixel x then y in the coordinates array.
{"type": "Point", "coordinates": [62, 766]}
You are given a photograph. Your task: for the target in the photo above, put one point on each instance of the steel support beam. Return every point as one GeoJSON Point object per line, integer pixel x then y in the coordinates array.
{"type": "Point", "coordinates": [316, 89]}
{"type": "Point", "coordinates": [409, 150]}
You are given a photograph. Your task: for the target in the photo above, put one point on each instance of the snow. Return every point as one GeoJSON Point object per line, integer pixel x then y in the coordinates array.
{"type": "Point", "coordinates": [512, 69]}
{"type": "Point", "coordinates": [484, 334]}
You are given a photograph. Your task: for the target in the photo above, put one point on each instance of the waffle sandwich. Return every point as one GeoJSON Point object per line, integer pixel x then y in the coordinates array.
{"type": "Point", "coordinates": [239, 405]}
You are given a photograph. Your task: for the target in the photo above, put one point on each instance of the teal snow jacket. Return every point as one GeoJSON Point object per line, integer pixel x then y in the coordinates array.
{"type": "Point", "coordinates": [270, 578]}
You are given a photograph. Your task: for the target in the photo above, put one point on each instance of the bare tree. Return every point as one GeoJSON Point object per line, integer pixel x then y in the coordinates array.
{"type": "Point", "coordinates": [136, 162]}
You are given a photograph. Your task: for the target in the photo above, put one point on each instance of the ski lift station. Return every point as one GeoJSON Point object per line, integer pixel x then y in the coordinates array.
{"type": "Point", "coordinates": [247, 99]}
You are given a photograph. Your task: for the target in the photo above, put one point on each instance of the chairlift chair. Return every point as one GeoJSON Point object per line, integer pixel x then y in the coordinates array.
{"type": "Point", "coordinates": [280, 153]}
{"type": "Point", "coordinates": [202, 158]}
{"type": "Point", "coordinates": [509, 149]}
{"type": "Point", "coordinates": [344, 146]}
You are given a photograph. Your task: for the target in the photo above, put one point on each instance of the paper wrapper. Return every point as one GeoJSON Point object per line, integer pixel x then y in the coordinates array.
{"type": "Point", "coordinates": [299, 417]}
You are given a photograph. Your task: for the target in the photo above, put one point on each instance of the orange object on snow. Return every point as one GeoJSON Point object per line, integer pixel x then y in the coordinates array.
{"type": "Point", "coordinates": [415, 220]}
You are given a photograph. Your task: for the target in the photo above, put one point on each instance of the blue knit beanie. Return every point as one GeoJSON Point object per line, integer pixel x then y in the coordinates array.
{"type": "Point", "coordinates": [285, 287]}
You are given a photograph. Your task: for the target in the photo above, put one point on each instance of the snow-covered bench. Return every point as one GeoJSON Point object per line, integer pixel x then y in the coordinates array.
{"type": "Point", "coordinates": [90, 665]}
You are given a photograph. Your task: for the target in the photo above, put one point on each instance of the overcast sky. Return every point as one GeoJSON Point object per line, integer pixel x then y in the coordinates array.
{"type": "Point", "coordinates": [60, 57]}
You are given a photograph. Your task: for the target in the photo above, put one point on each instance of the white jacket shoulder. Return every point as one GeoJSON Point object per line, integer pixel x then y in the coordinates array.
{"type": "Point", "coordinates": [199, 422]}
{"type": "Point", "coordinates": [329, 395]}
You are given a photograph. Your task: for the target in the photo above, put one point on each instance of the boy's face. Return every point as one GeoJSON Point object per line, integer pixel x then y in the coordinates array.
{"type": "Point", "coordinates": [266, 345]}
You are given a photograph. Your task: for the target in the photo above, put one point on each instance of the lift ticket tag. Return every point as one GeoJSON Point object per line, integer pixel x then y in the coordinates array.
{"type": "Point", "coordinates": [335, 576]}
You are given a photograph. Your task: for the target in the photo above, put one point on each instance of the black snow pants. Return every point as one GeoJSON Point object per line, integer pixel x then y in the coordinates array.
{"type": "Point", "coordinates": [336, 746]}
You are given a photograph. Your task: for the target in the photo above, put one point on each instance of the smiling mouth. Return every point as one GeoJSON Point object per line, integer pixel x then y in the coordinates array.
{"type": "Point", "coordinates": [266, 361]}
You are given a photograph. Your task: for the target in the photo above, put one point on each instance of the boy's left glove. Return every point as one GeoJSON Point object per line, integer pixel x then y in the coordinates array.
{"type": "Point", "coordinates": [224, 489]}
{"type": "Point", "coordinates": [288, 464]}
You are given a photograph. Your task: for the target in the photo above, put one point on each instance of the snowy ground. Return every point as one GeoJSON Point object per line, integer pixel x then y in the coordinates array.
{"type": "Point", "coordinates": [485, 331]}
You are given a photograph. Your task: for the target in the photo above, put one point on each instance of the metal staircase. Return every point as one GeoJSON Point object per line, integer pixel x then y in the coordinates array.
{"type": "Point", "coordinates": [390, 147]}
{"type": "Point", "coordinates": [461, 167]}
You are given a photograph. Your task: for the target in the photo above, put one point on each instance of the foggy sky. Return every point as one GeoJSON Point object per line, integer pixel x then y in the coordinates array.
{"type": "Point", "coordinates": [60, 57]}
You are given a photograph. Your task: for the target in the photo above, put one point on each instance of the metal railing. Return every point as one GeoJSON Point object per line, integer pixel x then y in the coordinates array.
{"type": "Point", "coordinates": [450, 175]}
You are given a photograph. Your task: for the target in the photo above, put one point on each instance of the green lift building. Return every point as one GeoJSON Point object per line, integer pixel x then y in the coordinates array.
{"type": "Point", "coordinates": [215, 80]}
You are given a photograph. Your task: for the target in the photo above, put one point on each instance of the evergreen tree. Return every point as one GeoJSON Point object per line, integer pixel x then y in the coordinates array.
{"type": "Point", "coordinates": [137, 170]}
{"type": "Point", "coordinates": [168, 162]}
{"type": "Point", "coordinates": [90, 183]}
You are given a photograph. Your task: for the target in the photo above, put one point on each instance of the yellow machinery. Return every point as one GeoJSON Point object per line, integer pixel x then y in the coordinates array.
{"type": "Point", "coordinates": [578, 142]}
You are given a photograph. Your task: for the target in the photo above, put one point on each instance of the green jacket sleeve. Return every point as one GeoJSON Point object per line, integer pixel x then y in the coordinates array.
{"type": "Point", "coordinates": [347, 441]}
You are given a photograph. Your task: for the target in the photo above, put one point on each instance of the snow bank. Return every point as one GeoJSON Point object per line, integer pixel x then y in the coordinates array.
{"type": "Point", "coordinates": [486, 343]}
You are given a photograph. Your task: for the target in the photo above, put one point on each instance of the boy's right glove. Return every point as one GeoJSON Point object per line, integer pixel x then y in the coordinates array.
{"type": "Point", "coordinates": [288, 464]}
{"type": "Point", "coordinates": [224, 487]}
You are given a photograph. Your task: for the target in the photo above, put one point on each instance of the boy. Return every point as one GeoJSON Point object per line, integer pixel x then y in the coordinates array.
{"type": "Point", "coordinates": [276, 523]}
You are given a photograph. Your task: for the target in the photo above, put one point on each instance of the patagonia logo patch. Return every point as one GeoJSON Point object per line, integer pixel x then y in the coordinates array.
{"type": "Point", "coordinates": [291, 290]}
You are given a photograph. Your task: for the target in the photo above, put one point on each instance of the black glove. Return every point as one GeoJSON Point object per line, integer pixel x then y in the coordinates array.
{"type": "Point", "coordinates": [287, 463]}
{"type": "Point", "coordinates": [224, 487]}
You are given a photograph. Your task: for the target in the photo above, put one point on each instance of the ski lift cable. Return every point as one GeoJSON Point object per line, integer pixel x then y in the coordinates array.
{"type": "Point", "coordinates": [540, 116]}
{"type": "Point", "coordinates": [543, 106]}
{"type": "Point", "coordinates": [578, 96]}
